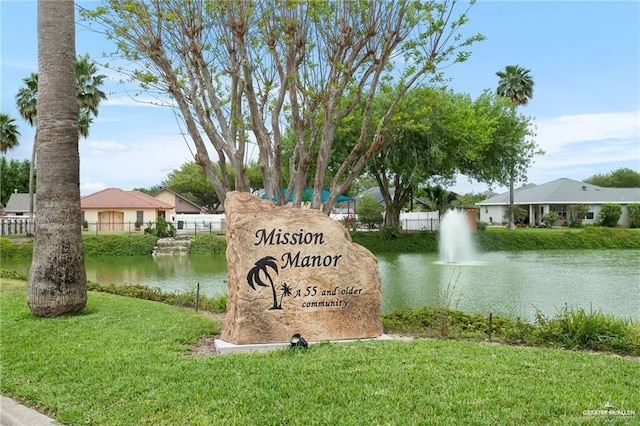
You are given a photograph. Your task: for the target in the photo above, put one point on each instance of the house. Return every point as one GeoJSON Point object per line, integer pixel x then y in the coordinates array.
{"type": "Point", "coordinates": [113, 209]}
{"type": "Point", "coordinates": [182, 205]}
{"type": "Point", "coordinates": [557, 196]}
{"type": "Point", "coordinates": [18, 205]}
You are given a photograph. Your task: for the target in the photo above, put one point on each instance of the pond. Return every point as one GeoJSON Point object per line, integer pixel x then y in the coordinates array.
{"type": "Point", "coordinates": [513, 284]}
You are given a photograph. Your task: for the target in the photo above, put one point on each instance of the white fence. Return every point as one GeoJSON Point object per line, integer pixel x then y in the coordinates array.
{"type": "Point", "coordinates": [15, 226]}
{"type": "Point", "coordinates": [197, 223]}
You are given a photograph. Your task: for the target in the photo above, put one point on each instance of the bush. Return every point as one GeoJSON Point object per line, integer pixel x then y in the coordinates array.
{"type": "Point", "coordinates": [577, 213]}
{"type": "Point", "coordinates": [594, 330]}
{"type": "Point", "coordinates": [481, 226]}
{"type": "Point", "coordinates": [634, 215]}
{"type": "Point", "coordinates": [118, 245]}
{"type": "Point", "coordinates": [610, 215]}
{"type": "Point", "coordinates": [163, 228]}
{"type": "Point", "coordinates": [208, 244]}
{"type": "Point", "coordinates": [11, 250]}
{"type": "Point", "coordinates": [369, 211]}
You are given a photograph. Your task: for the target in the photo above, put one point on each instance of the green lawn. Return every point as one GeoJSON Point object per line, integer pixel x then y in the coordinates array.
{"type": "Point", "coordinates": [127, 361]}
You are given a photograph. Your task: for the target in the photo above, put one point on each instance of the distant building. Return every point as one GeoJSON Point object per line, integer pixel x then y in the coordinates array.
{"type": "Point", "coordinates": [557, 196]}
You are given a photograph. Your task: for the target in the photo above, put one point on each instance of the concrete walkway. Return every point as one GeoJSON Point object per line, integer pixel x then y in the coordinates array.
{"type": "Point", "coordinates": [14, 414]}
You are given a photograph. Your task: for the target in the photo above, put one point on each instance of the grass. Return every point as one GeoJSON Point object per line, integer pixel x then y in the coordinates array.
{"type": "Point", "coordinates": [127, 361]}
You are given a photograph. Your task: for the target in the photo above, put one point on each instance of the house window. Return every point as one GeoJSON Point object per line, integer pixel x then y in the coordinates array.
{"type": "Point", "coordinates": [589, 216]}
{"type": "Point", "coordinates": [561, 209]}
{"type": "Point", "coordinates": [140, 216]}
{"type": "Point", "coordinates": [486, 210]}
{"type": "Point", "coordinates": [82, 217]}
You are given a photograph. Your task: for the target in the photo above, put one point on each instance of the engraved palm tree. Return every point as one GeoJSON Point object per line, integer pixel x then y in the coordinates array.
{"type": "Point", "coordinates": [254, 277]}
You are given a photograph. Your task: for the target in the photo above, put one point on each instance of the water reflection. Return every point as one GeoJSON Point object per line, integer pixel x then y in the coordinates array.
{"type": "Point", "coordinates": [512, 284]}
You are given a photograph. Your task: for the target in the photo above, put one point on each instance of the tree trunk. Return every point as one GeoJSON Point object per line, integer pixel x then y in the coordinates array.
{"type": "Point", "coordinates": [512, 221]}
{"type": "Point", "coordinates": [57, 279]}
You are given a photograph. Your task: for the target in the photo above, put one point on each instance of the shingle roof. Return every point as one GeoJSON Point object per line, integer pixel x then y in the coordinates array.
{"type": "Point", "coordinates": [117, 198]}
{"type": "Point", "coordinates": [18, 203]}
{"type": "Point", "coordinates": [177, 195]}
{"type": "Point", "coordinates": [566, 191]}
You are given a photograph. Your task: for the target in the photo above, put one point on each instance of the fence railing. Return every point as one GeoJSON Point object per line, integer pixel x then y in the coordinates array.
{"type": "Point", "coordinates": [16, 226]}
{"type": "Point", "coordinates": [11, 226]}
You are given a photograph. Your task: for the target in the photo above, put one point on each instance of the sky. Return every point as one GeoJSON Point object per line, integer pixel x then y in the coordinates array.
{"type": "Point", "coordinates": [584, 57]}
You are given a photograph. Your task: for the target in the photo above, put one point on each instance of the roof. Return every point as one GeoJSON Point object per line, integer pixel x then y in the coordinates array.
{"type": "Point", "coordinates": [18, 203]}
{"type": "Point", "coordinates": [566, 191]}
{"type": "Point", "coordinates": [117, 198]}
{"type": "Point", "coordinates": [186, 200]}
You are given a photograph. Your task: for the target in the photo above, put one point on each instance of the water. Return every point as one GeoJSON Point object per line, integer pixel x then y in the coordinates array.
{"type": "Point", "coordinates": [512, 284]}
{"type": "Point", "coordinates": [456, 245]}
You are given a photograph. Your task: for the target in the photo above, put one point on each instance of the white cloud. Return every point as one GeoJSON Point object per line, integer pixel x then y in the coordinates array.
{"type": "Point", "coordinates": [555, 134]}
{"type": "Point", "coordinates": [137, 101]}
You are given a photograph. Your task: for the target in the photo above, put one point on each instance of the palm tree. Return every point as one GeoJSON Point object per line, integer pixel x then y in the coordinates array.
{"type": "Point", "coordinates": [88, 95]}
{"type": "Point", "coordinates": [8, 133]}
{"type": "Point", "coordinates": [253, 277]}
{"type": "Point", "coordinates": [57, 279]}
{"type": "Point", "coordinates": [516, 84]}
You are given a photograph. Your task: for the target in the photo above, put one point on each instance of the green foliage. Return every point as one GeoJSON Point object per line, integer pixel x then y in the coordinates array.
{"type": "Point", "coordinates": [369, 211]}
{"type": "Point", "coordinates": [519, 214]}
{"type": "Point", "coordinates": [163, 229]}
{"type": "Point", "coordinates": [577, 213]}
{"type": "Point", "coordinates": [634, 215]}
{"type": "Point", "coordinates": [550, 218]}
{"type": "Point", "coordinates": [14, 174]}
{"type": "Point", "coordinates": [11, 250]}
{"type": "Point", "coordinates": [481, 226]}
{"type": "Point", "coordinates": [208, 244]}
{"type": "Point", "coordinates": [593, 330]}
{"type": "Point", "coordinates": [610, 214]}
{"type": "Point", "coordinates": [570, 329]}
{"type": "Point", "coordinates": [191, 182]}
{"type": "Point", "coordinates": [590, 237]}
{"type": "Point", "coordinates": [620, 178]}
{"type": "Point", "coordinates": [405, 242]}
{"type": "Point", "coordinates": [8, 133]}
{"type": "Point", "coordinates": [118, 245]}
{"type": "Point", "coordinates": [184, 299]}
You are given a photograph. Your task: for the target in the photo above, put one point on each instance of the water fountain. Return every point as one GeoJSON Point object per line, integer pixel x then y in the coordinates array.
{"type": "Point", "coordinates": [456, 245]}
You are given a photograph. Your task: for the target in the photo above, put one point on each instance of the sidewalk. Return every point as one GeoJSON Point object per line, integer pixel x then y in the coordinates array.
{"type": "Point", "coordinates": [14, 414]}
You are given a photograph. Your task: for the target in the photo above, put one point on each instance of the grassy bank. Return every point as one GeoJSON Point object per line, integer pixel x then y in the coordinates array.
{"type": "Point", "coordinates": [493, 239]}
{"type": "Point", "coordinates": [127, 361]}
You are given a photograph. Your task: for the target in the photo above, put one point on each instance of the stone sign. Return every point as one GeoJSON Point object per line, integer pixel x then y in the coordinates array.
{"type": "Point", "coordinates": [296, 271]}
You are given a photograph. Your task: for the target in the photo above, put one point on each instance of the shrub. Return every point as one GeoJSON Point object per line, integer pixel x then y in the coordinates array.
{"type": "Point", "coordinates": [481, 226]}
{"type": "Point", "coordinates": [609, 215]}
{"type": "Point", "coordinates": [163, 228]}
{"type": "Point", "coordinates": [550, 218]}
{"type": "Point", "coordinates": [369, 211]}
{"type": "Point", "coordinates": [208, 244]}
{"type": "Point", "coordinates": [634, 215]}
{"type": "Point", "coordinates": [577, 213]}
{"type": "Point", "coordinates": [581, 329]}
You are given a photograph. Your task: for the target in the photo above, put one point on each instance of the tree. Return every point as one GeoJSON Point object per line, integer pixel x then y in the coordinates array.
{"type": "Point", "coordinates": [369, 211]}
{"type": "Point", "coordinates": [191, 182]}
{"type": "Point", "coordinates": [14, 175]}
{"type": "Point", "coordinates": [511, 148]}
{"type": "Point", "coordinates": [88, 95]}
{"type": "Point", "coordinates": [619, 178]}
{"type": "Point", "coordinates": [8, 133]}
{"type": "Point", "coordinates": [517, 85]}
{"type": "Point", "coordinates": [57, 279]}
{"type": "Point", "coordinates": [240, 71]}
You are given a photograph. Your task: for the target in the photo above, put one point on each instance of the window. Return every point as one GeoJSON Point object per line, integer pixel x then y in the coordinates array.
{"type": "Point", "coordinates": [140, 216]}
{"type": "Point", "coordinates": [589, 216]}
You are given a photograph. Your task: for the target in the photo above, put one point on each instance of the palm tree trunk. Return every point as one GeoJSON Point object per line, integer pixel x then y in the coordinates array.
{"type": "Point", "coordinates": [57, 279]}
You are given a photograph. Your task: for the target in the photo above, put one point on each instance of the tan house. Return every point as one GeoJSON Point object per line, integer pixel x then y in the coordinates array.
{"type": "Point", "coordinates": [113, 209]}
{"type": "Point", "coordinates": [182, 205]}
